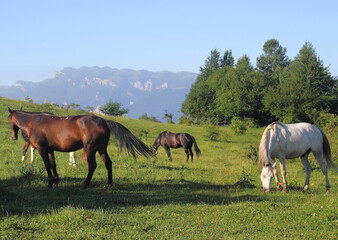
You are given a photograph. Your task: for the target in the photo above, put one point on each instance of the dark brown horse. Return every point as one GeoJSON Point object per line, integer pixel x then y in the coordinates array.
{"type": "Point", "coordinates": [176, 140]}
{"type": "Point", "coordinates": [49, 133]}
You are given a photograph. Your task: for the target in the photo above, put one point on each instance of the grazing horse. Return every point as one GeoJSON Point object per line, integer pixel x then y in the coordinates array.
{"type": "Point", "coordinates": [72, 161]}
{"type": "Point", "coordinates": [287, 141]}
{"type": "Point", "coordinates": [49, 133]}
{"type": "Point", "coordinates": [176, 140]}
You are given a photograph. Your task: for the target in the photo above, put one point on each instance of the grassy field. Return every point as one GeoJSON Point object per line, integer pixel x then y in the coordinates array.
{"type": "Point", "coordinates": [218, 196]}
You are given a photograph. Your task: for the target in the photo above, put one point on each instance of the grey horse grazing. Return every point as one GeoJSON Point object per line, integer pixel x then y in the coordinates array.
{"type": "Point", "coordinates": [176, 140]}
{"type": "Point", "coordinates": [287, 141]}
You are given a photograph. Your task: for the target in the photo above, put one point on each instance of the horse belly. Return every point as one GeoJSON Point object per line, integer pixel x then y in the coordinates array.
{"type": "Point", "coordinates": [290, 151]}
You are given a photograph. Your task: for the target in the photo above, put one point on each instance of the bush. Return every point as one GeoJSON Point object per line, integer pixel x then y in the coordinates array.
{"type": "Point", "coordinates": [252, 154]}
{"type": "Point", "coordinates": [327, 122]}
{"type": "Point", "coordinates": [213, 133]}
{"type": "Point", "coordinates": [239, 126]}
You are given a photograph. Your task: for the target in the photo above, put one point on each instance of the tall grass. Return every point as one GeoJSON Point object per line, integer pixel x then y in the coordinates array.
{"type": "Point", "coordinates": [218, 196]}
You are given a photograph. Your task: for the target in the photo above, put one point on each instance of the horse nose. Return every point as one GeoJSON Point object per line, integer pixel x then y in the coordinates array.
{"type": "Point", "coordinates": [266, 190]}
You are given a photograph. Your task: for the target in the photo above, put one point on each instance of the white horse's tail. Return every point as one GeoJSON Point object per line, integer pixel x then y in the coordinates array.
{"type": "Point", "coordinates": [327, 151]}
{"type": "Point", "coordinates": [264, 148]}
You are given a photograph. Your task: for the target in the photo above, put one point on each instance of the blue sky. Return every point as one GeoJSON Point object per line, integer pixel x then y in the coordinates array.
{"type": "Point", "coordinates": [39, 37]}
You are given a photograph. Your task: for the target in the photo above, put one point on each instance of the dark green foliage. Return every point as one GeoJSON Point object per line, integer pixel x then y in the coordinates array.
{"type": "Point", "coordinates": [274, 57]}
{"type": "Point", "coordinates": [238, 125]}
{"type": "Point", "coordinates": [252, 154]}
{"type": "Point", "coordinates": [146, 117]}
{"type": "Point", "coordinates": [168, 117]}
{"type": "Point", "coordinates": [305, 89]}
{"type": "Point", "coordinates": [328, 122]}
{"type": "Point", "coordinates": [213, 133]}
{"type": "Point", "coordinates": [245, 181]}
{"type": "Point", "coordinates": [278, 89]}
{"type": "Point", "coordinates": [113, 109]}
{"type": "Point", "coordinates": [228, 59]}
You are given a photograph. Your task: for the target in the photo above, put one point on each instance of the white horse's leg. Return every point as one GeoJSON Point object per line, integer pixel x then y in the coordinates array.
{"type": "Point", "coordinates": [283, 172]}
{"type": "Point", "coordinates": [72, 159]}
{"type": "Point", "coordinates": [275, 173]}
{"type": "Point", "coordinates": [307, 168]}
{"type": "Point", "coordinates": [32, 154]}
{"type": "Point", "coordinates": [320, 159]}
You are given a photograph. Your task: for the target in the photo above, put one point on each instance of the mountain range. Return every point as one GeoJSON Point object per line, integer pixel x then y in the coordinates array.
{"type": "Point", "coordinates": [153, 93]}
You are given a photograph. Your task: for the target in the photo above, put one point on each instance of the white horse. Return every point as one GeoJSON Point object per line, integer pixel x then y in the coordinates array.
{"type": "Point", "coordinates": [287, 141]}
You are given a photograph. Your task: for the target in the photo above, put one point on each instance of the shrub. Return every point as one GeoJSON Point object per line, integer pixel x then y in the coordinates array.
{"type": "Point", "coordinates": [328, 122]}
{"type": "Point", "coordinates": [213, 133]}
{"type": "Point", "coordinates": [252, 154]}
{"type": "Point", "coordinates": [238, 126]}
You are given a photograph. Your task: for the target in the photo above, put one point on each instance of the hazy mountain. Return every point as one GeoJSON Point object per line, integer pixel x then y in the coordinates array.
{"type": "Point", "coordinates": [139, 91]}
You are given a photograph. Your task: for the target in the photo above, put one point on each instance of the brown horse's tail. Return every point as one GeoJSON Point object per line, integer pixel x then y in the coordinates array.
{"type": "Point", "coordinates": [327, 151]}
{"type": "Point", "coordinates": [197, 150]}
{"type": "Point", "coordinates": [128, 141]}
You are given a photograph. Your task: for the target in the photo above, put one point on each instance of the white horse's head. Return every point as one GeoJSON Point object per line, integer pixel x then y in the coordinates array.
{"type": "Point", "coordinates": [267, 175]}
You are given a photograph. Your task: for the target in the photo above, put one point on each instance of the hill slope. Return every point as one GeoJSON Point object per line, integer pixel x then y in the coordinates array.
{"type": "Point", "coordinates": [158, 199]}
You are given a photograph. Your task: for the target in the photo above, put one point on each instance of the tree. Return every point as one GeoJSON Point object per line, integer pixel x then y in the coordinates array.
{"type": "Point", "coordinates": [146, 117]}
{"type": "Point", "coordinates": [198, 105]}
{"type": "Point", "coordinates": [274, 57]}
{"type": "Point", "coordinates": [168, 117]}
{"type": "Point", "coordinates": [306, 88]}
{"type": "Point", "coordinates": [113, 109]}
{"type": "Point", "coordinates": [228, 59]}
{"type": "Point", "coordinates": [239, 93]}
{"type": "Point", "coordinates": [272, 62]}
{"type": "Point", "coordinates": [211, 64]}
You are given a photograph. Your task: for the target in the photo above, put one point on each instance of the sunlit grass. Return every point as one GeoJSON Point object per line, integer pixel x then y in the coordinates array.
{"type": "Point", "coordinates": [158, 199]}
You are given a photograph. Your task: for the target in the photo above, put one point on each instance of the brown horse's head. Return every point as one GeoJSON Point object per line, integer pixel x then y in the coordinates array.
{"type": "Point", "coordinates": [12, 122]}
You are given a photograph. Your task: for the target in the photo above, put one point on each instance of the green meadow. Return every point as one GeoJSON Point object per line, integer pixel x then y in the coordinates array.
{"type": "Point", "coordinates": [218, 196]}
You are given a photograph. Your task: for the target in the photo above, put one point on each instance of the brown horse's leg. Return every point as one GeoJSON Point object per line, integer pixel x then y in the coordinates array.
{"type": "Point", "coordinates": [108, 163]}
{"type": "Point", "coordinates": [186, 150]}
{"type": "Point", "coordinates": [89, 158]}
{"type": "Point", "coordinates": [47, 163]}
{"type": "Point", "coordinates": [191, 154]}
{"type": "Point", "coordinates": [53, 167]}
{"type": "Point", "coordinates": [167, 149]}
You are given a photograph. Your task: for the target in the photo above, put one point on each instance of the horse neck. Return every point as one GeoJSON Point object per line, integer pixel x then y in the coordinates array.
{"type": "Point", "coordinates": [156, 143]}
{"type": "Point", "coordinates": [264, 154]}
{"type": "Point", "coordinates": [21, 121]}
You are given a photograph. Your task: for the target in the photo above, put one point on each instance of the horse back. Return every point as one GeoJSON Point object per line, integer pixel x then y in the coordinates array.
{"type": "Point", "coordinates": [68, 133]}
{"type": "Point", "coordinates": [294, 140]}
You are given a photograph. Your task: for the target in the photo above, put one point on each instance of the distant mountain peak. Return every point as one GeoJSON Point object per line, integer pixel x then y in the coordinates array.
{"type": "Point", "coordinates": [140, 91]}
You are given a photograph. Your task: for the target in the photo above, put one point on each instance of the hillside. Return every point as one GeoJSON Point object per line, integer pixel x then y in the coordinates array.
{"type": "Point", "coordinates": [139, 91]}
{"type": "Point", "coordinates": [157, 199]}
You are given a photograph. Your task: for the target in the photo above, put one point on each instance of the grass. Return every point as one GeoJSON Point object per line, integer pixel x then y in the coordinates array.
{"type": "Point", "coordinates": [218, 196]}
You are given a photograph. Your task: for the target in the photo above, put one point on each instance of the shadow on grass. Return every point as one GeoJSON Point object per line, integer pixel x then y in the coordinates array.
{"type": "Point", "coordinates": [28, 198]}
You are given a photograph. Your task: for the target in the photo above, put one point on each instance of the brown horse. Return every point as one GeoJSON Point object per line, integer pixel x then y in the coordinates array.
{"type": "Point", "coordinates": [49, 133]}
{"type": "Point", "coordinates": [176, 140]}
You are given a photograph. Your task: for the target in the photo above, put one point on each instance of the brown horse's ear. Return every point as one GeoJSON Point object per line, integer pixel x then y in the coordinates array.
{"type": "Point", "coordinates": [9, 109]}
{"type": "Point", "coordinates": [21, 108]}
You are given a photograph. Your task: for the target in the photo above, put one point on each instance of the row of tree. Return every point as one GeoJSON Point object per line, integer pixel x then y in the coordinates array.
{"type": "Point", "coordinates": [276, 89]}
